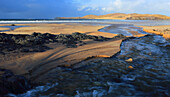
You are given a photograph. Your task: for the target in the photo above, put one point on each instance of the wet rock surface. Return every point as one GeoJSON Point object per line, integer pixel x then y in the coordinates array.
{"type": "Point", "coordinates": [10, 83]}
{"type": "Point", "coordinates": [146, 75]}
{"type": "Point", "coordinates": [36, 41]}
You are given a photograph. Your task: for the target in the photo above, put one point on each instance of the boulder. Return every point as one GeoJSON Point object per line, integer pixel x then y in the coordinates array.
{"type": "Point", "coordinates": [12, 24]}
{"type": "Point", "coordinates": [129, 60]}
{"type": "Point", "coordinates": [130, 67]}
{"type": "Point", "coordinates": [10, 83]}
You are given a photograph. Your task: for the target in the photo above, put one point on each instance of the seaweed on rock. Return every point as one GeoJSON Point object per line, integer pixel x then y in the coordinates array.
{"type": "Point", "coordinates": [35, 42]}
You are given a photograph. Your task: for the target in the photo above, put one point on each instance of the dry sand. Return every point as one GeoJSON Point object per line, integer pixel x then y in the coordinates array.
{"type": "Point", "coordinates": [163, 30]}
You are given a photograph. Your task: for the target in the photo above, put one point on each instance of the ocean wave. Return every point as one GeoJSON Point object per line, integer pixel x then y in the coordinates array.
{"type": "Point", "coordinates": [48, 21]}
{"type": "Point", "coordinates": [135, 22]}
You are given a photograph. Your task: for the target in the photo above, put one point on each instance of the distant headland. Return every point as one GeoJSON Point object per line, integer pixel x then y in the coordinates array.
{"type": "Point", "coordinates": [122, 16]}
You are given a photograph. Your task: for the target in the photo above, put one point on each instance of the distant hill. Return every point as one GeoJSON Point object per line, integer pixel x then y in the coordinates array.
{"type": "Point", "coordinates": [122, 16]}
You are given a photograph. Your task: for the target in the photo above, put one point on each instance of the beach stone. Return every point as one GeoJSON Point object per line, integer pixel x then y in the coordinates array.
{"type": "Point", "coordinates": [119, 36]}
{"type": "Point", "coordinates": [12, 24]}
{"type": "Point", "coordinates": [17, 84]}
{"type": "Point", "coordinates": [130, 67]}
{"type": "Point", "coordinates": [129, 60]}
{"type": "Point", "coordinates": [97, 83]}
{"type": "Point", "coordinates": [10, 83]}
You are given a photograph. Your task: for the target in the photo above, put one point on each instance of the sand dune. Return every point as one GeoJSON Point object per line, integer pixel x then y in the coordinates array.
{"type": "Point", "coordinates": [122, 16]}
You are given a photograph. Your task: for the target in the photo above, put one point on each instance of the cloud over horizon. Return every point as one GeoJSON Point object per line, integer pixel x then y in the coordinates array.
{"type": "Point", "coordinates": [74, 8]}
{"type": "Point", "coordinates": [127, 6]}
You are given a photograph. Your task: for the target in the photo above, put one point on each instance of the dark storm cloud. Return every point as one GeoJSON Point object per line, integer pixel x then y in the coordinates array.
{"type": "Point", "coordinates": [70, 8]}
{"type": "Point", "coordinates": [36, 8]}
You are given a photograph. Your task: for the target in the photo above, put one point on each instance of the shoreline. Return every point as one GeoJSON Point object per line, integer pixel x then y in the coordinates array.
{"type": "Point", "coordinates": [4, 28]}
{"type": "Point", "coordinates": [92, 49]}
{"type": "Point", "coordinates": [63, 28]}
{"type": "Point", "coordinates": [35, 64]}
{"type": "Point", "coordinates": [38, 66]}
{"type": "Point", "coordinates": [163, 30]}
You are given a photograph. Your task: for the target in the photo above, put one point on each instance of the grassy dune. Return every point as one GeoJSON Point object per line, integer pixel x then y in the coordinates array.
{"type": "Point", "coordinates": [122, 16]}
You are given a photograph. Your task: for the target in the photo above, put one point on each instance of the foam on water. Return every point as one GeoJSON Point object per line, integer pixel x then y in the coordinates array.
{"type": "Point", "coordinates": [111, 77]}
{"type": "Point", "coordinates": [136, 22]}
{"type": "Point", "coordinates": [108, 77]}
{"type": "Point", "coordinates": [33, 92]}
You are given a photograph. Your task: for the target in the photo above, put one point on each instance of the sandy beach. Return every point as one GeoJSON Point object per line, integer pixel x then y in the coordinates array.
{"type": "Point", "coordinates": [41, 67]}
{"type": "Point", "coordinates": [64, 28]}
{"type": "Point", "coordinates": [61, 55]}
{"type": "Point", "coordinates": [163, 30]}
{"type": "Point", "coordinates": [37, 64]}
{"type": "Point", "coordinates": [84, 48]}
{"type": "Point", "coordinates": [3, 28]}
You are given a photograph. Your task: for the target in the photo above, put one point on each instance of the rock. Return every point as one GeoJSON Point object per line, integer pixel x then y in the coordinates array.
{"type": "Point", "coordinates": [129, 60]}
{"type": "Point", "coordinates": [102, 56]}
{"type": "Point", "coordinates": [130, 67]}
{"type": "Point", "coordinates": [11, 42]}
{"type": "Point", "coordinates": [71, 45]}
{"type": "Point", "coordinates": [18, 84]}
{"type": "Point", "coordinates": [12, 24]}
{"type": "Point", "coordinates": [10, 83]}
{"type": "Point", "coordinates": [97, 83]}
{"type": "Point", "coordinates": [119, 36]}
{"type": "Point", "coordinates": [150, 53]}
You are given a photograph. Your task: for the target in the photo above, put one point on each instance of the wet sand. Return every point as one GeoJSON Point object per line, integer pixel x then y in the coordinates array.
{"type": "Point", "coordinates": [3, 28]}
{"type": "Point", "coordinates": [163, 30]}
{"type": "Point", "coordinates": [41, 67]}
{"type": "Point", "coordinates": [125, 29]}
{"type": "Point", "coordinates": [64, 28]}
{"type": "Point", "coordinates": [36, 65]}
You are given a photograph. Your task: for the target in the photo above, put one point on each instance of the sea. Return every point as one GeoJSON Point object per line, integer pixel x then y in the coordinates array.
{"type": "Point", "coordinates": [97, 21]}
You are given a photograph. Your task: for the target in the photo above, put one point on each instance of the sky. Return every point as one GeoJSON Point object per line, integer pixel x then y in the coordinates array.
{"type": "Point", "coordinates": [49, 9]}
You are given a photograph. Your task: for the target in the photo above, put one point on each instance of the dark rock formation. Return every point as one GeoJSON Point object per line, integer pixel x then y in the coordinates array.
{"type": "Point", "coordinates": [12, 24]}
{"type": "Point", "coordinates": [10, 83]}
{"type": "Point", "coordinates": [36, 41]}
{"type": "Point", "coordinates": [144, 18]}
{"type": "Point", "coordinates": [119, 36]}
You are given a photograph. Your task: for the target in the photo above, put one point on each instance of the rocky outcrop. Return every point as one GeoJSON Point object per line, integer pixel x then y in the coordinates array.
{"type": "Point", "coordinates": [10, 83]}
{"type": "Point", "coordinates": [144, 18]}
{"type": "Point", "coordinates": [36, 41]}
